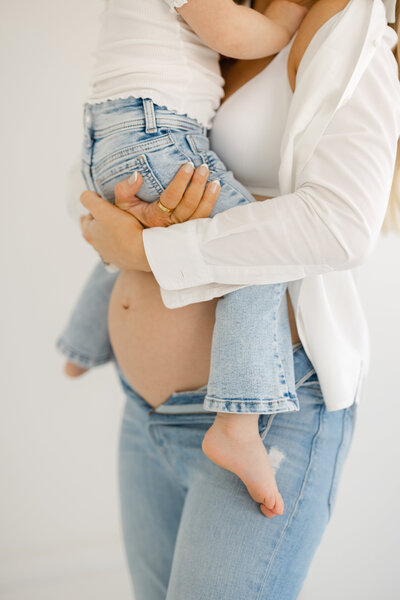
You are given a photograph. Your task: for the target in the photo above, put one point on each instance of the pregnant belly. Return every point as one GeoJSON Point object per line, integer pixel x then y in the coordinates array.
{"type": "Point", "coordinates": [159, 350]}
{"type": "Point", "coordinates": [162, 350]}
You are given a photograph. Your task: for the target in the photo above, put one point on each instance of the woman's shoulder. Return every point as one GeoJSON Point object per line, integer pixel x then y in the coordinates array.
{"type": "Point", "coordinates": [318, 15]}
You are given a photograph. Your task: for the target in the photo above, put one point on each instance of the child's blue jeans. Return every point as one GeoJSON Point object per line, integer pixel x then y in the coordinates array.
{"type": "Point", "coordinates": [251, 367]}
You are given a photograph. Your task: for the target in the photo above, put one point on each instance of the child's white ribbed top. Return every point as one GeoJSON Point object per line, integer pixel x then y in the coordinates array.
{"type": "Point", "coordinates": [147, 50]}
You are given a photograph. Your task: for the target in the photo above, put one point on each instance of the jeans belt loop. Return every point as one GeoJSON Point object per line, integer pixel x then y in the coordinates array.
{"type": "Point", "coordinates": [149, 116]}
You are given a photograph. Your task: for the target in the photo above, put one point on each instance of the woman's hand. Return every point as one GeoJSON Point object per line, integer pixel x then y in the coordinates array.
{"type": "Point", "coordinates": [115, 234]}
{"type": "Point", "coordinates": [185, 201]}
{"type": "Point", "coordinates": [116, 231]}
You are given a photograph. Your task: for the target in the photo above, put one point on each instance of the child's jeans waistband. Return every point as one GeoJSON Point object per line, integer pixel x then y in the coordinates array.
{"type": "Point", "coordinates": [141, 114]}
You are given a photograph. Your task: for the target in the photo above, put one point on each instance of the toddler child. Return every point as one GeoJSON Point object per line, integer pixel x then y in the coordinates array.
{"type": "Point", "coordinates": [156, 88]}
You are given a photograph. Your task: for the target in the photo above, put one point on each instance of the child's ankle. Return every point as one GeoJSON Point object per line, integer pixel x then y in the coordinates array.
{"type": "Point", "coordinates": [237, 421]}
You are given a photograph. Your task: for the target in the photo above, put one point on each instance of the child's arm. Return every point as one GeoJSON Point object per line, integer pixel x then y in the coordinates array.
{"type": "Point", "coordinates": [241, 32]}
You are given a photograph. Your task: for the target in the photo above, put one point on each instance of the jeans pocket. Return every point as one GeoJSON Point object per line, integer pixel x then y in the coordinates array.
{"type": "Point", "coordinates": [157, 159]}
{"type": "Point", "coordinates": [309, 379]}
{"type": "Point", "coordinates": [265, 424]}
{"type": "Point", "coordinates": [214, 163]}
{"type": "Point", "coordinates": [349, 421]}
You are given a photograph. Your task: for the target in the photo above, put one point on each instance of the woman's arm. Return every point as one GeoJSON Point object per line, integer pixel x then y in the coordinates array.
{"type": "Point", "coordinates": [330, 222]}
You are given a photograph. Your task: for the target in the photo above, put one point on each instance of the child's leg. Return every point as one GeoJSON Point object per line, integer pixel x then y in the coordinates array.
{"type": "Point", "coordinates": [251, 367]}
{"type": "Point", "coordinates": [233, 438]}
{"type": "Point", "coordinates": [85, 341]}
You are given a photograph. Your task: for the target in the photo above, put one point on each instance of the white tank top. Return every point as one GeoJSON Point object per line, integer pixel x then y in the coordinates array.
{"type": "Point", "coordinates": [248, 128]}
{"type": "Point", "coordinates": [147, 50]}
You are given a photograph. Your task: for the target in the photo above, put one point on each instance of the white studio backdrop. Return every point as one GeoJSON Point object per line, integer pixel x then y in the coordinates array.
{"type": "Point", "coordinates": [59, 525]}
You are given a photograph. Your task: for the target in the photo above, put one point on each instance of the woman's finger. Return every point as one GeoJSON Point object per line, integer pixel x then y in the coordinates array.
{"type": "Point", "coordinates": [85, 221]}
{"type": "Point", "coordinates": [96, 205]}
{"type": "Point", "coordinates": [173, 193]}
{"type": "Point", "coordinates": [208, 200]}
{"type": "Point", "coordinates": [192, 196]}
{"type": "Point", "coordinates": [125, 191]}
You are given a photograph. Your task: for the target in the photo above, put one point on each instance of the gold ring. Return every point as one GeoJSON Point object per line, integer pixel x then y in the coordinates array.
{"type": "Point", "coordinates": [164, 208]}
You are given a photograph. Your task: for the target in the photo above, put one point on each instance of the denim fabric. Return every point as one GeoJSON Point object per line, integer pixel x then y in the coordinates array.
{"type": "Point", "coordinates": [85, 339]}
{"type": "Point", "coordinates": [190, 528]}
{"type": "Point", "coordinates": [251, 360]}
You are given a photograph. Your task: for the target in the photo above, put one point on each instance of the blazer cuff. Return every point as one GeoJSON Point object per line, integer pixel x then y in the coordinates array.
{"type": "Point", "coordinates": [174, 256]}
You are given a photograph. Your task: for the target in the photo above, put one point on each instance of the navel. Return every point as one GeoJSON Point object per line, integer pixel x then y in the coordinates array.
{"type": "Point", "coordinates": [125, 303]}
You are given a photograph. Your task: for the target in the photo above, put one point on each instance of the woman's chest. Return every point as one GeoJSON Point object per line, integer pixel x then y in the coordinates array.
{"type": "Point", "coordinates": [248, 128]}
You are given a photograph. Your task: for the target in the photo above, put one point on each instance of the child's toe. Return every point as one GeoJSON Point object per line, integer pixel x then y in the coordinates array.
{"type": "Point", "coordinates": [269, 500]}
{"type": "Point", "coordinates": [279, 505]}
{"type": "Point", "coordinates": [266, 511]}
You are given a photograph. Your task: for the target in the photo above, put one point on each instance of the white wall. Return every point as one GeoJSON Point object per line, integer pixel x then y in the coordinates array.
{"type": "Point", "coordinates": [59, 506]}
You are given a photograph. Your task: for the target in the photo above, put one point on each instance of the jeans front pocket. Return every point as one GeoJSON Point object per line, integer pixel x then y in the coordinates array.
{"type": "Point", "coordinates": [265, 422]}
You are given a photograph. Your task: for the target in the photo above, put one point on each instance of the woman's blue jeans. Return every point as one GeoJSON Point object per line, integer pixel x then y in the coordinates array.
{"type": "Point", "coordinates": [190, 529]}
{"type": "Point", "coordinates": [251, 368]}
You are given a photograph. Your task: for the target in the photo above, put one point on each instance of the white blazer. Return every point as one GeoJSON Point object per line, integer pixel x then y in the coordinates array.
{"type": "Point", "coordinates": [337, 162]}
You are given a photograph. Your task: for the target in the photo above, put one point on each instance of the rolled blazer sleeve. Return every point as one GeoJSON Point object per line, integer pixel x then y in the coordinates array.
{"type": "Point", "coordinates": [330, 222]}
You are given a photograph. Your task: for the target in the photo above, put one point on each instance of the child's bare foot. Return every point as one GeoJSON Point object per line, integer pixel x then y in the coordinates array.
{"type": "Point", "coordinates": [73, 370]}
{"type": "Point", "coordinates": [233, 442]}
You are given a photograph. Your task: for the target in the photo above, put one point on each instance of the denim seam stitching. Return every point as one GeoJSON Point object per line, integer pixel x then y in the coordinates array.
{"type": "Point", "coordinates": [104, 165]}
{"type": "Point", "coordinates": [268, 427]}
{"type": "Point", "coordinates": [118, 127]}
{"type": "Point", "coordinates": [158, 144]}
{"type": "Point", "coordinates": [153, 180]}
{"type": "Point", "coordinates": [300, 496]}
{"type": "Point", "coordinates": [119, 173]}
{"type": "Point", "coordinates": [179, 150]}
{"type": "Point", "coordinates": [303, 379]}
{"type": "Point", "coordinates": [139, 124]}
{"type": "Point", "coordinates": [289, 405]}
{"type": "Point", "coordinates": [218, 169]}
{"type": "Point", "coordinates": [335, 468]}
{"type": "Point", "coordinates": [284, 386]}
{"type": "Point", "coordinates": [140, 164]}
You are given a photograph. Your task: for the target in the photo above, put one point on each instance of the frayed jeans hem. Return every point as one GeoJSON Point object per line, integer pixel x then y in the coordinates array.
{"type": "Point", "coordinates": [80, 359]}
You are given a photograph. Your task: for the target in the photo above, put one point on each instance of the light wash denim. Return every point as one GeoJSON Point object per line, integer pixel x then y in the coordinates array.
{"type": "Point", "coordinates": [190, 529]}
{"type": "Point", "coordinates": [251, 359]}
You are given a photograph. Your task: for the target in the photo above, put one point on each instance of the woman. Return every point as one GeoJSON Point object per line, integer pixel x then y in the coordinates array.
{"type": "Point", "coordinates": [190, 529]}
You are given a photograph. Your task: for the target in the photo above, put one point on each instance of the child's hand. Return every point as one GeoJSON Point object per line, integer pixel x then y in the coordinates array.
{"type": "Point", "coordinates": [286, 14]}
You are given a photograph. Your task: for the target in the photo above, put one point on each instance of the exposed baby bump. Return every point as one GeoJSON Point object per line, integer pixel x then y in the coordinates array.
{"type": "Point", "coordinates": [160, 350]}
